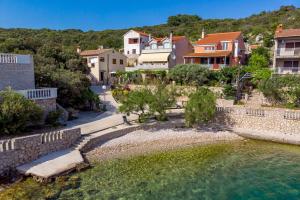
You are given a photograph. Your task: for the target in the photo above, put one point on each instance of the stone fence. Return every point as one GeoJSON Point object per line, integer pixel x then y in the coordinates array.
{"type": "Point", "coordinates": [17, 151]}
{"type": "Point", "coordinates": [263, 119]}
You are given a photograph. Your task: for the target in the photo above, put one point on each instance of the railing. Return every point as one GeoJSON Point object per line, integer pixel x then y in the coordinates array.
{"type": "Point", "coordinates": [255, 112]}
{"type": "Point", "coordinates": [15, 59]}
{"type": "Point", "coordinates": [158, 50]}
{"type": "Point", "coordinates": [224, 109]}
{"type": "Point", "coordinates": [148, 67]}
{"type": "Point", "coordinates": [286, 52]}
{"type": "Point", "coordinates": [291, 115]}
{"type": "Point", "coordinates": [7, 145]}
{"type": "Point", "coordinates": [36, 94]}
{"type": "Point", "coordinates": [287, 70]}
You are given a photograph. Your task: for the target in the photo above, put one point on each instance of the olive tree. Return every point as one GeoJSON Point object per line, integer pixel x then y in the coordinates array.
{"type": "Point", "coordinates": [201, 107]}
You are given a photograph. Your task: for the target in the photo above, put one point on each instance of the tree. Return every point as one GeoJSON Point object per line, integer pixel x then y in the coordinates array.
{"type": "Point", "coordinates": [183, 19]}
{"type": "Point", "coordinates": [200, 108]}
{"type": "Point", "coordinates": [163, 98]}
{"type": "Point", "coordinates": [16, 112]}
{"type": "Point", "coordinates": [137, 102]}
{"type": "Point", "coordinates": [190, 74]}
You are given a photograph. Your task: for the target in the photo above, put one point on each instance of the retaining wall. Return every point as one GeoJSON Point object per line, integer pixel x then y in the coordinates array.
{"type": "Point", "coordinates": [17, 151]}
{"type": "Point", "coordinates": [272, 120]}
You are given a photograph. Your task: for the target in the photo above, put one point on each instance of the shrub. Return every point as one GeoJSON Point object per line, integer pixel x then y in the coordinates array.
{"type": "Point", "coordinates": [200, 108]}
{"type": "Point", "coordinates": [190, 74]}
{"type": "Point", "coordinates": [137, 102]}
{"type": "Point", "coordinates": [17, 112]}
{"type": "Point", "coordinates": [53, 118]}
{"type": "Point", "coordinates": [229, 91]}
{"type": "Point", "coordinates": [163, 98]}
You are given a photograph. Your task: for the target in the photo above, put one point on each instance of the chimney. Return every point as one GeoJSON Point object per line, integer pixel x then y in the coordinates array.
{"type": "Point", "coordinates": [150, 37]}
{"type": "Point", "coordinates": [100, 47]}
{"type": "Point", "coordinates": [171, 39]}
{"type": "Point", "coordinates": [279, 28]}
{"type": "Point", "coordinates": [203, 34]}
{"type": "Point", "coordinates": [78, 50]}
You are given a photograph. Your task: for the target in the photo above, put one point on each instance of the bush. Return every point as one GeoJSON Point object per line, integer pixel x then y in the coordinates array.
{"type": "Point", "coordinates": [200, 108]}
{"type": "Point", "coordinates": [17, 112]}
{"type": "Point", "coordinates": [53, 118]}
{"type": "Point", "coordinates": [191, 74]}
{"type": "Point", "coordinates": [137, 102]}
{"type": "Point", "coordinates": [162, 99]}
{"type": "Point", "coordinates": [229, 91]}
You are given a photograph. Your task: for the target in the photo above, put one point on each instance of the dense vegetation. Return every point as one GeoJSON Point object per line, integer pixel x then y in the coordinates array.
{"type": "Point", "coordinates": [200, 108]}
{"type": "Point", "coordinates": [20, 40]}
{"type": "Point", "coordinates": [16, 112]}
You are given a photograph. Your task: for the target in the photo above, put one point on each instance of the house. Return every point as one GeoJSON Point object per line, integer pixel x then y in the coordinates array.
{"type": "Point", "coordinates": [134, 42]}
{"type": "Point", "coordinates": [103, 64]}
{"type": "Point", "coordinates": [17, 72]}
{"type": "Point", "coordinates": [163, 53]}
{"type": "Point", "coordinates": [287, 51]}
{"type": "Point", "coordinates": [218, 50]}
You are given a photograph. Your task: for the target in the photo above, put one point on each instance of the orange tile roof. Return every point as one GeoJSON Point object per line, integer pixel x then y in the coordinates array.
{"type": "Point", "coordinates": [217, 37]}
{"type": "Point", "coordinates": [142, 33]}
{"type": "Point", "coordinates": [287, 33]}
{"type": "Point", "coordinates": [93, 52]}
{"type": "Point", "coordinates": [209, 54]}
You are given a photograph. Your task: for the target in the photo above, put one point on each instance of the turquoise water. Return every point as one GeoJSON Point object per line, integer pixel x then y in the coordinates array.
{"type": "Point", "coordinates": [242, 170]}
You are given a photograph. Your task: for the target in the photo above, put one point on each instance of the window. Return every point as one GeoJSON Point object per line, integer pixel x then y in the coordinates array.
{"type": "Point", "coordinates": [167, 45]}
{"type": "Point", "coordinates": [128, 52]}
{"type": "Point", "coordinates": [297, 44]}
{"type": "Point", "coordinates": [114, 61]}
{"type": "Point", "coordinates": [291, 64]}
{"type": "Point", "coordinates": [102, 59]}
{"type": "Point", "coordinates": [121, 62]}
{"type": "Point", "coordinates": [154, 46]}
{"type": "Point", "coordinates": [133, 41]}
{"type": "Point", "coordinates": [289, 45]}
{"type": "Point", "coordinates": [224, 45]}
{"type": "Point", "coordinates": [209, 48]}
{"type": "Point", "coordinates": [133, 51]}
{"type": "Point", "coordinates": [92, 65]}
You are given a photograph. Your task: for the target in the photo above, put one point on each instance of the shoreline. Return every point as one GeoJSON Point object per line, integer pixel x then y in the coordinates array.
{"type": "Point", "coordinates": [143, 142]}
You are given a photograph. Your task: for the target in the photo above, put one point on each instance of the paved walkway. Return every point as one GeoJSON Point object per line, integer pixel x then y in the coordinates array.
{"type": "Point", "coordinates": [52, 164]}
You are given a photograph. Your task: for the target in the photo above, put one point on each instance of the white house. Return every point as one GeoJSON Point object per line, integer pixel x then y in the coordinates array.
{"type": "Point", "coordinates": [163, 53]}
{"type": "Point", "coordinates": [134, 43]}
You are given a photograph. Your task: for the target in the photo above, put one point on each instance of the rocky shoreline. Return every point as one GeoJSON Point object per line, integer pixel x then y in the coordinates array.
{"type": "Point", "coordinates": [142, 142]}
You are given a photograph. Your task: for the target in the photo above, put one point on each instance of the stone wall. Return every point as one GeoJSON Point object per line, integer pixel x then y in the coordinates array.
{"type": "Point", "coordinates": [47, 105]}
{"type": "Point", "coordinates": [272, 120]}
{"type": "Point", "coordinates": [18, 151]}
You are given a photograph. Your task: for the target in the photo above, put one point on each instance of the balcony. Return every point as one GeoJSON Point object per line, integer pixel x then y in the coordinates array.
{"type": "Point", "coordinates": [15, 59]}
{"type": "Point", "coordinates": [159, 49]}
{"type": "Point", "coordinates": [288, 53]}
{"type": "Point", "coordinates": [287, 70]}
{"type": "Point", "coordinates": [156, 66]}
{"type": "Point", "coordinates": [39, 94]}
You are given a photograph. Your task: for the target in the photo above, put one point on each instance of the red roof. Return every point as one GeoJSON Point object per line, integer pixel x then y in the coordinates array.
{"type": "Point", "coordinates": [142, 33]}
{"type": "Point", "coordinates": [287, 33]}
{"type": "Point", "coordinates": [218, 37]}
{"type": "Point", "coordinates": [210, 54]}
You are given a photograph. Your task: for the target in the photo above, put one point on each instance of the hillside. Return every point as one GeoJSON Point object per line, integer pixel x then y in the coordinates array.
{"type": "Point", "coordinates": [34, 41]}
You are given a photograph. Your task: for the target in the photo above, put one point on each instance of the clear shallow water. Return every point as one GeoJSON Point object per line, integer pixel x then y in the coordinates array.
{"type": "Point", "coordinates": [242, 170]}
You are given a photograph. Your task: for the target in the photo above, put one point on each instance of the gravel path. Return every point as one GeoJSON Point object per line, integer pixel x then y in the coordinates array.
{"type": "Point", "coordinates": [142, 142]}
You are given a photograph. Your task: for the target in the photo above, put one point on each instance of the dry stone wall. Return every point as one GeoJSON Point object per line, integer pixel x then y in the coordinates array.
{"type": "Point", "coordinates": [276, 120]}
{"type": "Point", "coordinates": [17, 151]}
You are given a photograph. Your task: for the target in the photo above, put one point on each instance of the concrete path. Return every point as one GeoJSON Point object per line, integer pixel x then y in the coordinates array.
{"type": "Point", "coordinates": [52, 164]}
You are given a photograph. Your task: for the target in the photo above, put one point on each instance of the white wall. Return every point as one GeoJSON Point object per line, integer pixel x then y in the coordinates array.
{"type": "Point", "coordinates": [139, 46]}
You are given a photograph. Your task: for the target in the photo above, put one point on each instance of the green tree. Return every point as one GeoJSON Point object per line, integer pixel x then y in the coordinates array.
{"type": "Point", "coordinates": [183, 20]}
{"type": "Point", "coordinates": [16, 112]}
{"type": "Point", "coordinates": [163, 98]}
{"type": "Point", "coordinates": [137, 102]}
{"type": "Point", "coordinates": [200, 108]}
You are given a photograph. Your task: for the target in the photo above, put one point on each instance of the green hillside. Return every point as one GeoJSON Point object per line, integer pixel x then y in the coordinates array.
{"type": "Point", "coordinates": [31, 41]}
